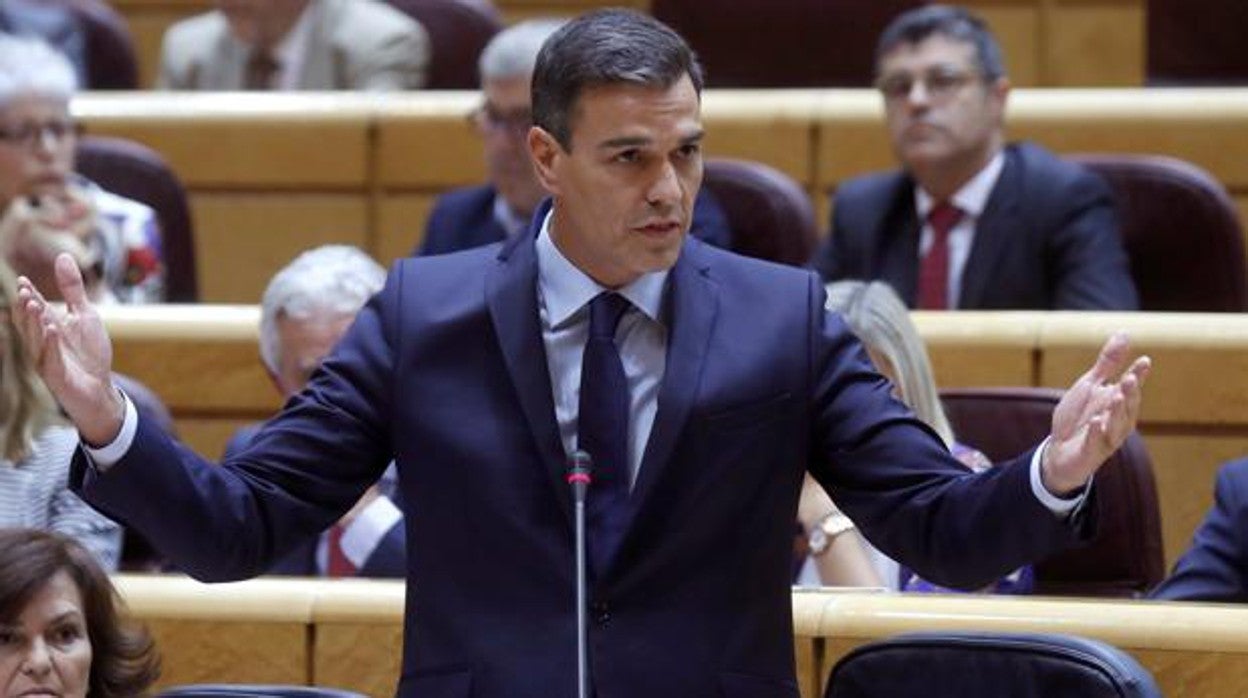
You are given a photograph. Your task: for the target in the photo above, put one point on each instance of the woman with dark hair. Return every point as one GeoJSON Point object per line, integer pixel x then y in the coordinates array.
{"type": "Point", "coordinates": [61, 631]}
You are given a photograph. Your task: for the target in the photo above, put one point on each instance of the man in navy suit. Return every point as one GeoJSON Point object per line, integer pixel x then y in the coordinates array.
{"type": "Point", "coordinates": [1215, 567]}
{"type": "Point", "coordinates": [306, 309]}
{"type": "Point", "coordinates": [969, 222]}
{"type": "Point", "coordinates": [487, 213]}
{"type": "Point", "coordinates": [718, 381]}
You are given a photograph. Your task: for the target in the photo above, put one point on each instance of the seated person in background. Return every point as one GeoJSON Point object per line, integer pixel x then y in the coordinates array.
{"type": "Point", "coordinates": [307, 307]}
{"type": "Point", "coordinates": [484, 214]}
{"type": "Point", "coordinates": [829, 550]}
{"type": "Point", "coordinates": [63, 629]}
{"type": "Point", "coordinates": [45, 208]}
{"type": "Point", "coordinates": [881, 321]}
{"type": "Point", "coordinates": [36, 447]}
{"type": "Point", "coordinates": [971, 223]}
{"type": "Point", "coordinates": [295, 45]}
{"type": "Point", "coordinates": [53, 22]}
{"type": "Point", "coordinates": [1215, 567]}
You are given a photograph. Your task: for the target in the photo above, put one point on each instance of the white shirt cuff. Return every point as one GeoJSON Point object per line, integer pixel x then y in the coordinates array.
{"type": "Point", "coordinates": [1058, 505]}
{"type": "Point", "coordinates": [366, 530]}
{"type": "Point", "coordinates": [107, 456]}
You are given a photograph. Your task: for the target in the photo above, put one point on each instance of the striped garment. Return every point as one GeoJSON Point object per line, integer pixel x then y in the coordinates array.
{"type": "Point", "coordinates": [35, 494]}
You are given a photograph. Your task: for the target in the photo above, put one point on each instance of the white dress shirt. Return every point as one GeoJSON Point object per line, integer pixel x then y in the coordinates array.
{"type": "Point", "coordinates": [971, 199]}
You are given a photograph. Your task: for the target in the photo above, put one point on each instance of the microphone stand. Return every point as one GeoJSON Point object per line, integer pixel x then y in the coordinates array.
{"type": "Point", "coordinates": [580, 467]}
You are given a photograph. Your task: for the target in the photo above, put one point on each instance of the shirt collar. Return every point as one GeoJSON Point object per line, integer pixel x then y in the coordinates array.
{"type": "Point", "coordinates": [972, 198]}
{"type": "Point", "coordinates": [565, 289]}
{"type": "Point", "coordinates": [289, 51]}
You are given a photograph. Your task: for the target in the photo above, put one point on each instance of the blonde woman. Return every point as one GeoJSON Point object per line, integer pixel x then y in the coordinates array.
{"type": "Point", "coordinates": [35, 452]}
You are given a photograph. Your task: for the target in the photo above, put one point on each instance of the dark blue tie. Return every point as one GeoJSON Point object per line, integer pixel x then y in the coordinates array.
{"type": "Point", "coordinates": [602, 429]}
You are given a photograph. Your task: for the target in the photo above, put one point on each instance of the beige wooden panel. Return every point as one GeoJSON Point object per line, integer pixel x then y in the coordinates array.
{"type": "Point", "coordinates": [231, 652]}
{"type": "Point", "coordinates": [242, 239]}
{"type": "Point", "coordinates": [148, 20]}
{"type": "Point", "coordinates": [850, 137]}
{"type": "Point", "coordinates": [971, 348]}
{"type": "Point", "coordinates": [770, 126]}
{"type": "Point", "coordinates": [1017, 27]}
{"type": "Point", "coordinates": [1095, 45]}
{"type": "Point", "coordinates": [424, 140]}
{"type": "Point", "coordinates": [362, 657]}
{"type": "Point", "coordinates": [401, 224]}
{"type": "Point", "coordinates": [1184, 466]}
{"type": "Point", "coordinates": [1200, 369]}
{"type": "Point", "coordinates": [235, 139]}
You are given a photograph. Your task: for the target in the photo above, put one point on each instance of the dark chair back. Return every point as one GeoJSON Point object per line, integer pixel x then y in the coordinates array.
{"type": "Point", "coordinates": [138, 172]}
{"type": "Point", "coordinates": [783, 43]}
{"type": "Point", "coordinates": [771, 217]}
{"type": "Point", "coordinates": [1125, 557]}
{"type": "Point", "coordinates": [1181, 231]}
{"type": "Point", "coordinates": [1196, 43]}
{"type": "Point", "coordinates": [458, 30]}
{"type": "Point", "coordinates": [111, 60]}
{"type": "Point", "coordinates": [227, 690]}
{"type": "Point", "coordinates": [989, 665]}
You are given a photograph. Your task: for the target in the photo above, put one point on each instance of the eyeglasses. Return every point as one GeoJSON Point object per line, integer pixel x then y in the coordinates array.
{"type": "Point", "coordinates": [30, 134]}
{"type": "Point", "coordinates": [939, 84]}
{"type": "Point", "coordinates": [488, 118]}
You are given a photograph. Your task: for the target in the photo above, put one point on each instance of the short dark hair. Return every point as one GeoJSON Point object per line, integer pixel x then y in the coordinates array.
{"type": "Point", "coordinates": [124, 659]}
{"type": "Point", "coordinates": [955, 23]}
{"type": "Point", "coordinates": [605, 47]}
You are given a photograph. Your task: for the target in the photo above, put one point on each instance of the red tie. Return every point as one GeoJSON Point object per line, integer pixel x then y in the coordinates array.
{"type": "Point", "coordinates": [934, 267]}
{"type": "Point", "coordinates": [339, 565]}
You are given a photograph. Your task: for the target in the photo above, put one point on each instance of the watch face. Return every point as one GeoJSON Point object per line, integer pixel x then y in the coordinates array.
{"type": "Point", "coordinates": [818, 540]}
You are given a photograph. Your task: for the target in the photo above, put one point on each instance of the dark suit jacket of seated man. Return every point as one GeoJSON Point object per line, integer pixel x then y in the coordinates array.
{"type": "Point", "coordinates": [1047, 240]}
{"type": "Point", "coordinates": [464, 370]}
{"type": "Point", "coordinates": [1215, 567]}
{"type": "Point", "coordinates": [386, 558]}
{"type": "Point", "coordinates": [465, 218]}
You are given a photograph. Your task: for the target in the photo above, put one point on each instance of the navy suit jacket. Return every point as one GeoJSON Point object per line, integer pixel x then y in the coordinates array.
{"type": "Point", "coordinates": [464, 218]}
{"type": "Point", "coordinates": [1215, 568]}
{"type": "Point", "coordinates": [1047, 240]}
{"type": "Point", "coordinates": [386, 560]}
{"type": "Point", "coordinates": [445, 371]}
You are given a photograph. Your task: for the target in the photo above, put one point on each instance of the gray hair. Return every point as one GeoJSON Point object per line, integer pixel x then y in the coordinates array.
{"type": "Point", "coordinates": [605, 47]}
{"type": "Point", "coordinates": [882, 322]}
{"type": "Point", "coordinates": [512, 53]}
{"type": "Point", "coordinates": [951, 22]}
{"type": "Point", "coordinates": [332, 279]}
{"type": "Point", "coordinates": [28, 65]}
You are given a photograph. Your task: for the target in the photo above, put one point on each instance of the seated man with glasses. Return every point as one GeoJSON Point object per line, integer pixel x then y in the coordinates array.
{"type": "Point", "coordinates": [484, 214]}
{"type": "Point", "coordinates": [45, 208]}
{"type": "Point", "coordinates": [970, 222]}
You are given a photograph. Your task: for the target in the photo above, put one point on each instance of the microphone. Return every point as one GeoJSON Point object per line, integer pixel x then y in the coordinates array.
{"type": "Point", "coordinates": [580, 469]}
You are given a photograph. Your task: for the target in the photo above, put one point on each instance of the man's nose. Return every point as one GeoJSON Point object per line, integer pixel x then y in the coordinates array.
{"type": "Point", "coordinates": [666, 189]}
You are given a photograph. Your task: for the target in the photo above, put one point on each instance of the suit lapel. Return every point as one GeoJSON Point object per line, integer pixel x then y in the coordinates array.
{"type": "Point", "coordinates": [511, 293]}
{"type": "Point", "coordinates": [993, 232]}
{"type": "Point", "coordinates": [899, 259]}
{"type": "Point", "coordinates": [693, 302]}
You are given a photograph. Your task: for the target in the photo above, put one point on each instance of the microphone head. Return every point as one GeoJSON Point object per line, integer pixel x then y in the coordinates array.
{"type": "Point", "coordinates": [580, 467]}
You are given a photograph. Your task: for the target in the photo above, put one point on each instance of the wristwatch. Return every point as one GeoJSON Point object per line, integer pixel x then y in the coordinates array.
{"type": "Point", "coordinates": [830, 526]}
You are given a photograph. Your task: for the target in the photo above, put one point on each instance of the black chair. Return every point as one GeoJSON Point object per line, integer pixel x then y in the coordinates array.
{"type": "Point", "coordinates": [111, 60]}
{"type": "Point", "coordinates": [458, 30]}
{"type": "Point", "coordinates": [1125, 557]}
{"type": "Point", "coordinates": [771, 217]}
{"type": "Point", "coordinates": [1181, 231]}
{"type": "Point", "coordinates": [226, 690]}
{"type": "Point", "coordinates": [989, 665]}
{"type": "Point", "coordinates": [140, 173]}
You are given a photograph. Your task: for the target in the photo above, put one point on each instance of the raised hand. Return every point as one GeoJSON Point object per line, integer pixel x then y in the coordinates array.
{"type": "Point", "coordinates": [1094, 417]}
{"type": "Point", "coordinates": [71, 352]}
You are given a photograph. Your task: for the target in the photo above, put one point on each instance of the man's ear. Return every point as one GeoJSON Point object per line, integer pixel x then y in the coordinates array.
{"type": "Point", "coordinates": [546, 153]}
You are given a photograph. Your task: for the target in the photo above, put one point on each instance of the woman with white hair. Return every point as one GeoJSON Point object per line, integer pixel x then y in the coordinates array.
{"type": "Point", "coordinates": [45, 208]}
{"type": "Point", "coordinates": [879, 318]}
